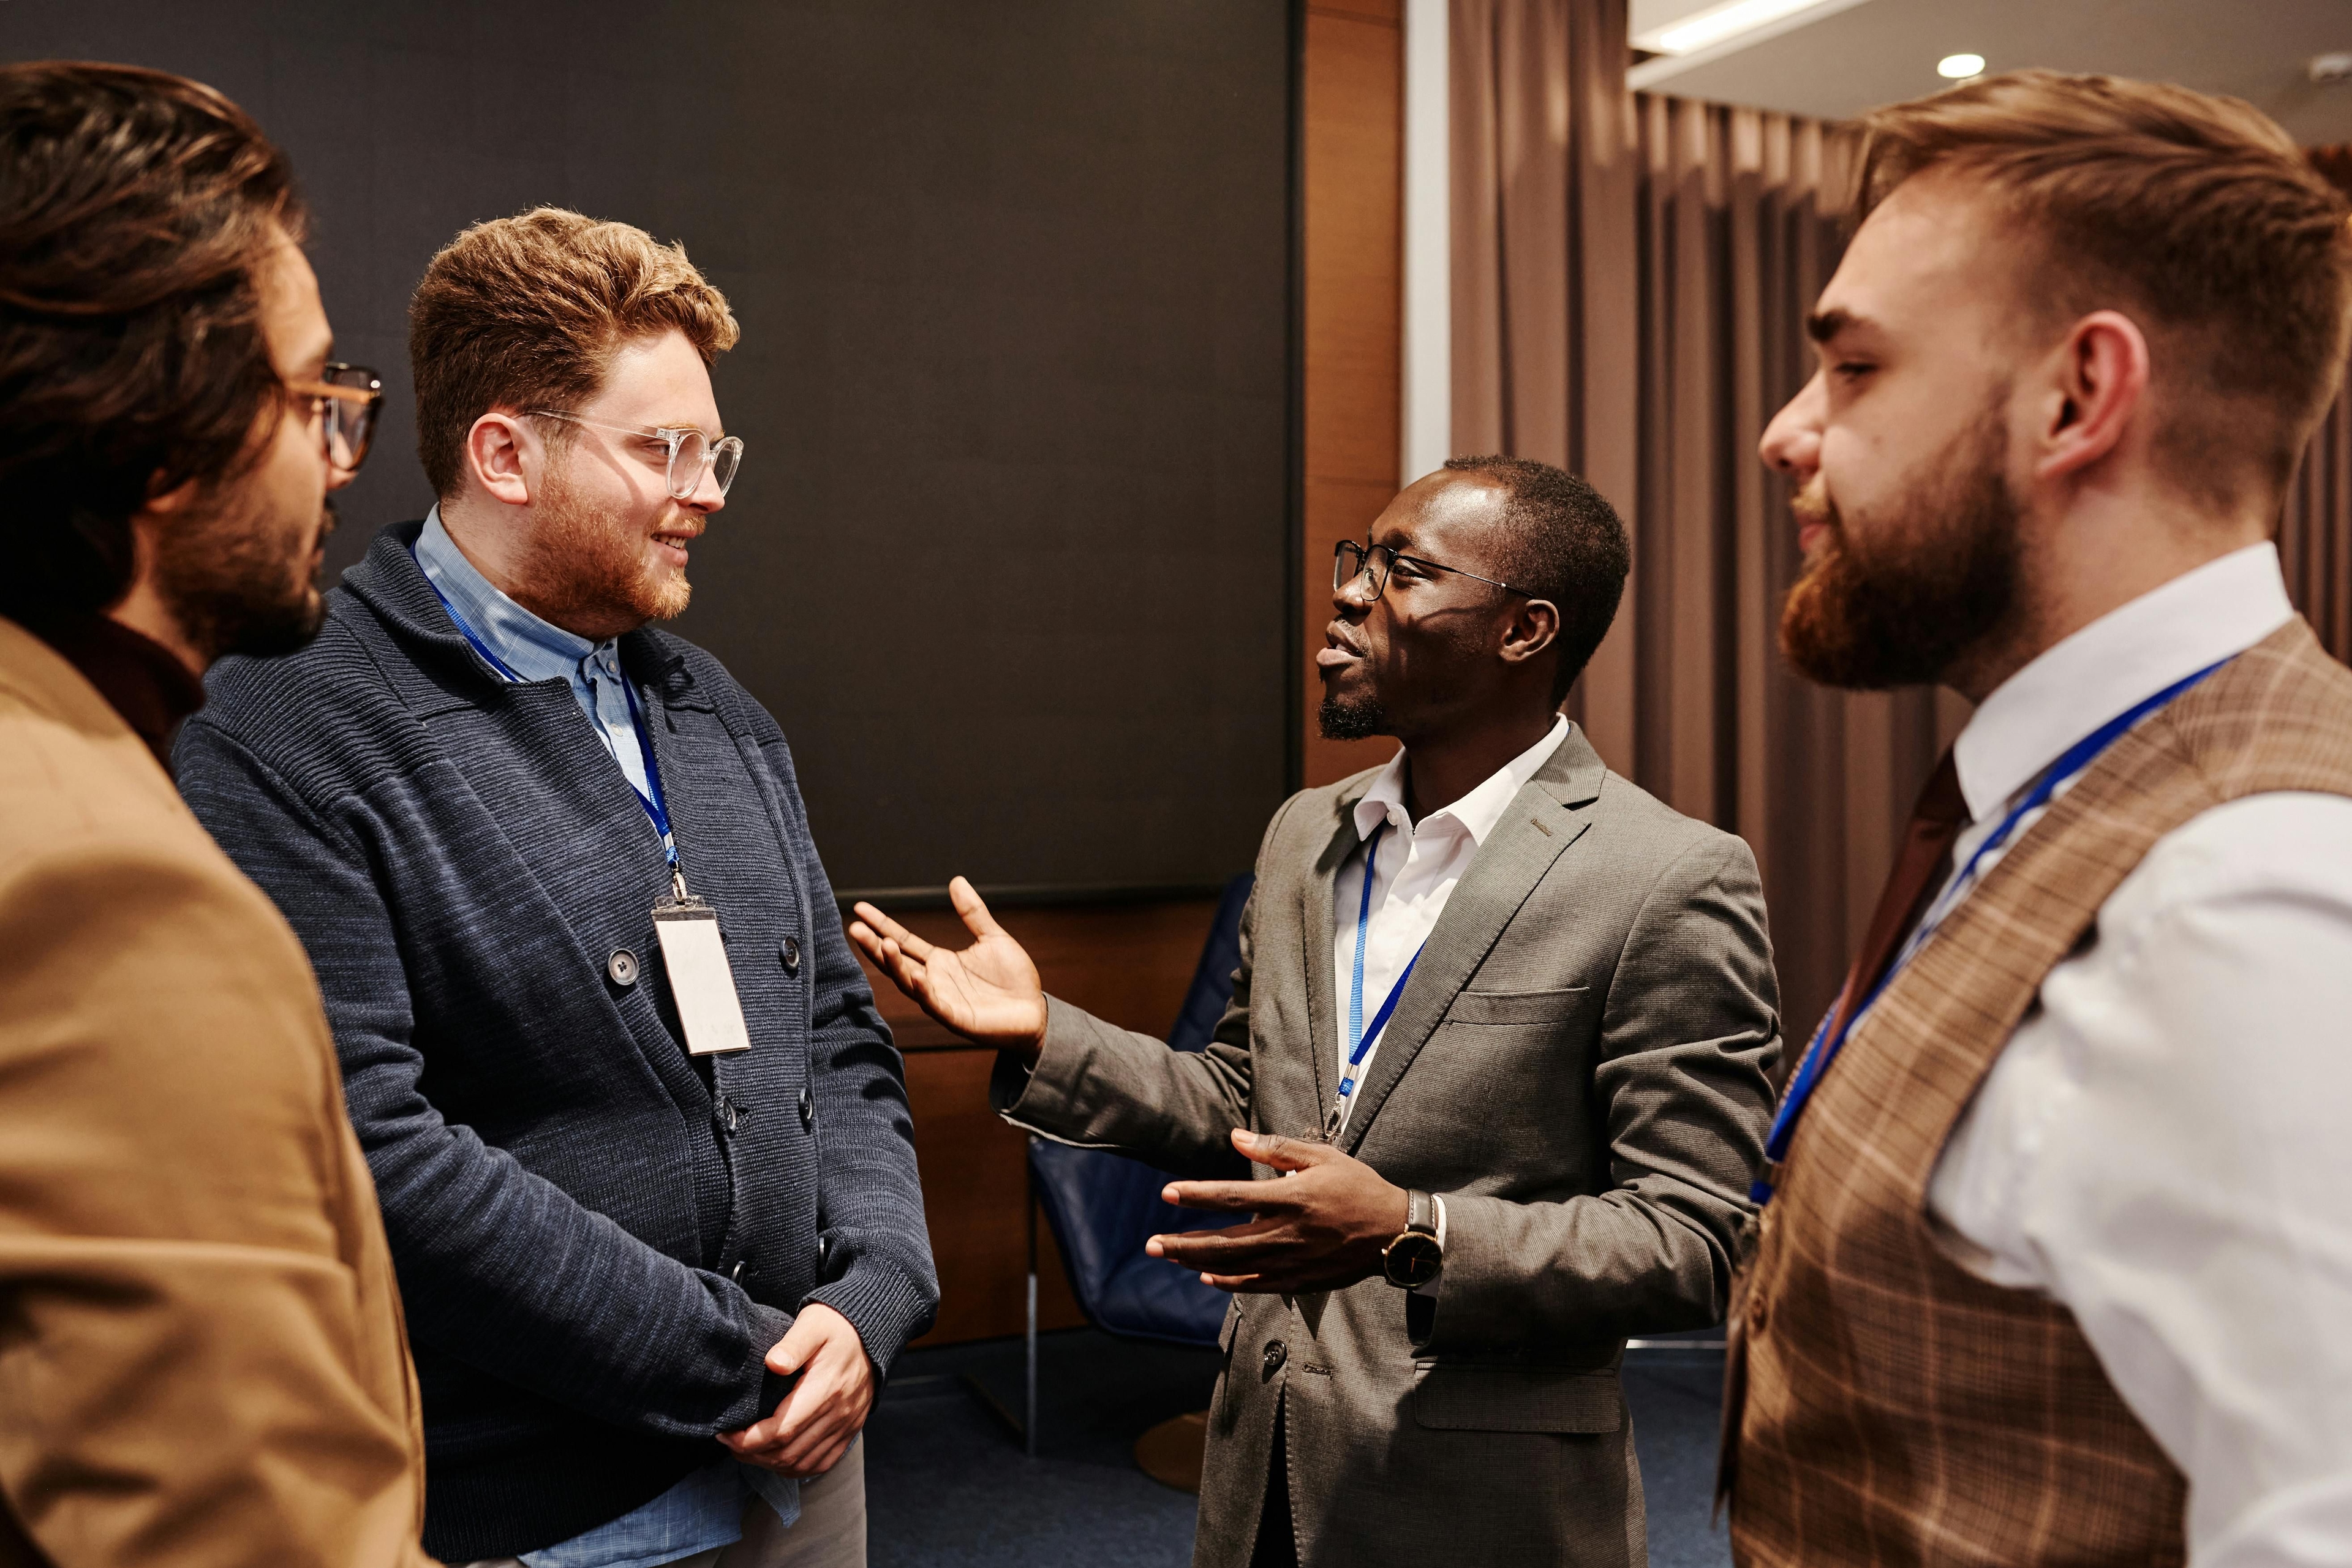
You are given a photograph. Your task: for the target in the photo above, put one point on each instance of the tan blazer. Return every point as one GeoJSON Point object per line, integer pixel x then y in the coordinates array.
{"type": "Point", "coordinates": [201, 1352]}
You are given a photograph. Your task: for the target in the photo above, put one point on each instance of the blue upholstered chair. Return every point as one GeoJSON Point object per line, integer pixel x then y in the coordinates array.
{"type": "Point", "coordinates": [1103, 1206]}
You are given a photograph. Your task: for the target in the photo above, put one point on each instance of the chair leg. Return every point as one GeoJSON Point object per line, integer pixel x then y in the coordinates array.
{"type": "Point", "coordinates": [1029, 1393]}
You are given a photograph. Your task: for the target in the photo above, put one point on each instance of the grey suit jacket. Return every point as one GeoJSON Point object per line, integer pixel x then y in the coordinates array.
{"type": "Point", "coordinates": [1578, 1064]}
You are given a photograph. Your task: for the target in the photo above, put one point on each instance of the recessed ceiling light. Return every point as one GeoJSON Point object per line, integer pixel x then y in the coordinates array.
{"type": "Point", "coordinates": [1959, 68]}
{"type": "Point", "coordinates": [1718, 23]}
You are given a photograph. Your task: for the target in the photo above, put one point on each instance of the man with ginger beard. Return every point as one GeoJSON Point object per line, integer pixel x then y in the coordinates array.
{"type": "Point", "coordinates": [2051, 1264]}
{"type": "Point", "coordinates": [201, 1357]}
{"type": "Point", "coordinates": [652, 1193]}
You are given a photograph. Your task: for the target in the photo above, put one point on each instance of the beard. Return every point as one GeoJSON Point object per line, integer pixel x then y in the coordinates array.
{"type": "Point", "coordinates": [235, 584]}
{"type": "Point", "coordinates": [590, 561]}
{"type": "Point", "coordinates": [1350, 719]}
{"type": "Point", "coordinates": [1938, 578]}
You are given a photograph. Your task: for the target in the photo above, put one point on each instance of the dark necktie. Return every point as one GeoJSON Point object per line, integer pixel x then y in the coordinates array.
{"type": "Point", "coordinates": [1919, 869]}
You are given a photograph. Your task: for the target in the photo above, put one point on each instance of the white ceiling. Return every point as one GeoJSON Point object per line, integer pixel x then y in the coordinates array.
{"type": "Point", "coordinates": [1849, 58]}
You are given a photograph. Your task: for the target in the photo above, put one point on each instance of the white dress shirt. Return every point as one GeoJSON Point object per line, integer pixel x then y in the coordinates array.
{"type": "Point", "coordinates": [2162, 1146]}
{"type": "Point", "coordinates": [1413, 874]}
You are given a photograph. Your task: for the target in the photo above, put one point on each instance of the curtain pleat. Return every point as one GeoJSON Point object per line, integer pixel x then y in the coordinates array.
{"type": "Point", "coordinates": [2316, 528]}
{"type": "Point", "coordinates": [2316, 532]}
{"type": "Point", "coordinates": [1630, 279]}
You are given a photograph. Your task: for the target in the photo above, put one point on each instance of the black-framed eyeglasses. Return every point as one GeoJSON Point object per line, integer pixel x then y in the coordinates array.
{"type": "Point", "coordinates": [1351, 561]}
{"type": "Point", "coordinates": [344, 400]}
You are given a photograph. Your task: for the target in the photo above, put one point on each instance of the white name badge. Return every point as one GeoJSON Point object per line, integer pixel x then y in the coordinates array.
{"type": "Point", "coordinates": [699, 979]}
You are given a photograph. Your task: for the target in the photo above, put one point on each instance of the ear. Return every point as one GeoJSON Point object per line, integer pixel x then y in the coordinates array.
{"type": "Point", "coordinates": [2097, 386]}
{"type": "Point", "coordinates": [505, 456]}
{"type": "Point", "coordinates": [1533, 627]}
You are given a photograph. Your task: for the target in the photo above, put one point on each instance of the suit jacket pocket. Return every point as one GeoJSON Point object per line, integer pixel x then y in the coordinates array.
{"type": "Point", "coordinates": [1516, 1399]}
{"type": "Point", "coordinates": [1515, 1006]}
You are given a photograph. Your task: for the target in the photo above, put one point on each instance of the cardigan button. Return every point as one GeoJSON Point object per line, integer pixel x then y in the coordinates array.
{"type": "Point", "coordinates": [808, 1107]}
{"type": "Point", "coordinates": [1759, 1315]}
{"type": "Point", "coordinates": [792, 951]}
{"type": "Point", "coordinates": [622, 967]}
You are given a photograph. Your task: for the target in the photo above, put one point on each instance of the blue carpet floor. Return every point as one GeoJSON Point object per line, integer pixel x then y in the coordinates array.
{"type": "Point", "coordinates": [948, 1487]}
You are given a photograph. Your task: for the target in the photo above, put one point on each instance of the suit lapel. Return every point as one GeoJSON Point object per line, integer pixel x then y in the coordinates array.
{"type": "Point", "coordinates": [1545, 817]}
{"type": "Point", "coordinates": [1314, 916]}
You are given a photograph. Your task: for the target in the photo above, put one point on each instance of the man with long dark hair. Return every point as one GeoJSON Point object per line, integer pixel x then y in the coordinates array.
{"type": "Point", "coordinates": [201, 1354]}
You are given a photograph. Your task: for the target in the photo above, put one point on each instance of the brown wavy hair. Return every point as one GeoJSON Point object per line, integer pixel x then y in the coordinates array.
{"type": "Point", "coordinates": [527, 312]}
{"type": "Point", "coordinates": [2196, 216]}
{"type": "Point", "coordinates": [133, 207]}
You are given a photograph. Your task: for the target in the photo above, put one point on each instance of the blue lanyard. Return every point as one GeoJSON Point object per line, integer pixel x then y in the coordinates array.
{"type": "Point", "coordinates": [657, 807]}
{"type": "Point", "coordinates": [1824, 1049]}
{"type": "Point", "coordinates": [1360, 1037]}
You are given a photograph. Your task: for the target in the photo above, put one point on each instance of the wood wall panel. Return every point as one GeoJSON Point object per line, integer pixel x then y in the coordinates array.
{"type": "Point", "coordinates": [1353, 118]}
{"type": "Point", "coordinates": [1128, 963]}
{"type": "Point", "coordinates": [973, 1187]}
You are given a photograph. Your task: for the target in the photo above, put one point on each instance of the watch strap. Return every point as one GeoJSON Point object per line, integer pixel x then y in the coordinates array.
{"type": "Point", "coordinates": [1420, 1212]}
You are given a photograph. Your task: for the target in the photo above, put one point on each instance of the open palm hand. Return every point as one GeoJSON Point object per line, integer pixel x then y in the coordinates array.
{"type": "Point", "coordinates": [987, 993]}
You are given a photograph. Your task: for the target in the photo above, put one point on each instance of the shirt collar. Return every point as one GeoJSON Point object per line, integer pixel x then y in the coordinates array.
{"type": "Point", "coordinates": [1476, 813]}
{"type": "Point", "coordinates": [531, 647]}
{"type": "Point", "coordinates": [2128, 655]}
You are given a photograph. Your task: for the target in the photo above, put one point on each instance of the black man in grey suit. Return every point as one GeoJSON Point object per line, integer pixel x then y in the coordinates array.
{"type": "Point", "coordinates": [1503, 1023]}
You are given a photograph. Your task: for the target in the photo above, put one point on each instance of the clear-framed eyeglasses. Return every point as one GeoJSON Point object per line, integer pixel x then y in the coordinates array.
{"type": "Point", "coordinates": [1351, 561]}
{"type": "Point", "coordinates": [691, 453]}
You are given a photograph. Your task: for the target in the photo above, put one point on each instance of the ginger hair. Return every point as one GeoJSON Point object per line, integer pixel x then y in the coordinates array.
{"type": "Point", "coordinates": [2195, 215]}
{"type": "Point", "coordinates": [527, 312]}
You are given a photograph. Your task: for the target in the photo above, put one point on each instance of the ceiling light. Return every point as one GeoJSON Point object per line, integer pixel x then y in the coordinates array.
{"type": "Point", "coordinates": [1718, 23]}
{"type": "Point", "coordinates": [1959, 68]}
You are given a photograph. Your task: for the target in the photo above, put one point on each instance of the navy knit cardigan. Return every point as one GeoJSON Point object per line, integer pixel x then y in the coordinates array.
{"type": "Point", "coordinates": [598, 1237]}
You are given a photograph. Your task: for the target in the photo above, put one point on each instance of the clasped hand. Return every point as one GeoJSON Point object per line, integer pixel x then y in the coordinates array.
{"type": "Point", "coordinates": [812, 1426]}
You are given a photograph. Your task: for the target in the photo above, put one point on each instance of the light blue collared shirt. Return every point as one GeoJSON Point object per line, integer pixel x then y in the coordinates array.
{"type": "Point", "coordinates": [706, 1509]}
{"type": "Point", "coordinates": [535, 649]}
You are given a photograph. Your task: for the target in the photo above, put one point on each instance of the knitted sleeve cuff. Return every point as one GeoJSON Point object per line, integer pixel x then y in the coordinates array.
{"type": "Point", "coordinates": [884, 1306]}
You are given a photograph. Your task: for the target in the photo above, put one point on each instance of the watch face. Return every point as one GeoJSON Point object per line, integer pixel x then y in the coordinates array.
{"type": "Point", "coordinates": [1411, 1259]}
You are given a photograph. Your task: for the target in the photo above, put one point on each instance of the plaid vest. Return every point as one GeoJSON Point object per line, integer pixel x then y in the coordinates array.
{"type": "Point", "coordinates": [1889, 1408]}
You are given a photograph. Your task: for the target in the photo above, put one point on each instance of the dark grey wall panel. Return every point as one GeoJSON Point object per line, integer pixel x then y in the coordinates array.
{"type": "Point", "coordinates": [1006, 557]}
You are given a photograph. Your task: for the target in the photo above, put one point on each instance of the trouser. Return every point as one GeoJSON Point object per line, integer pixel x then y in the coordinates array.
{"type": "Point", "coordinates": [829, 1533]}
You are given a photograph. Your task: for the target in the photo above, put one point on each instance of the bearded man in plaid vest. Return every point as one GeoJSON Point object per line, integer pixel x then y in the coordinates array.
{"type": "Point", "coordinates": [2054, 1265]}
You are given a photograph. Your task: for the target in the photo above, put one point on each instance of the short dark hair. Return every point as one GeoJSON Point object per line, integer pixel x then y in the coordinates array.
{"type": "Point", "coordinates": [1564, 544]}
{"type": "Point", "coordinates": [134, 205]}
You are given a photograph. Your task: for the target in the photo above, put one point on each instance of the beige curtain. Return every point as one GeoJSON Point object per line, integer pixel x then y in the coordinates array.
{"type": "Point", "coordinates": [2316, 534]}
{"type": "Point", "coordinates": [1630, 277]}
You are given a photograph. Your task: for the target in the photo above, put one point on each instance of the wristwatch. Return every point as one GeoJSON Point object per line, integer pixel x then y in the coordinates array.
{"type": "Point", "coordinates": [1415, 1257]}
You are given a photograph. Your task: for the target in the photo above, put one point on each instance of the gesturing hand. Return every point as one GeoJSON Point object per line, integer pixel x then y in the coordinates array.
{"type": "Point", "coordinates": [987, 993]}
{"type": "Point", "coordinates": [1318, 1228]}
{"type": "Point", "coordinates": [813, 1425]}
